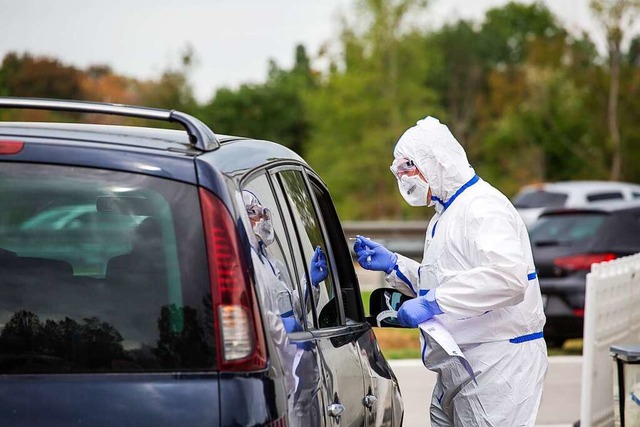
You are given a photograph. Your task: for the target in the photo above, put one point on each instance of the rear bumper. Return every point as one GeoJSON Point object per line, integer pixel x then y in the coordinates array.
{"type": "Point", "coordinates": [105, 400]}
{"type": "Point", "coordinates": [563, 301]}
{"type": "Point", "coordinates": [172, 399]}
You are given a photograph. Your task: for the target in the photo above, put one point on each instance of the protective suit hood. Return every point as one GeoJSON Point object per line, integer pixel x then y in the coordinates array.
{"type": "Point", "coordinates": [438, 156]}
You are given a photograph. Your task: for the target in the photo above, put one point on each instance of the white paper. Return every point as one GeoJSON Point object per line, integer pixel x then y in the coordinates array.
{"type": "Point", "coordinates": [439, 333]}
{"type": "Point", "coordinates": [391, 317]}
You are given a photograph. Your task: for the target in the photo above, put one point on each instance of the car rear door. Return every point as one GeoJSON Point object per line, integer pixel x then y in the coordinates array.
{"type": "Point", "coordinates": [102, 322]}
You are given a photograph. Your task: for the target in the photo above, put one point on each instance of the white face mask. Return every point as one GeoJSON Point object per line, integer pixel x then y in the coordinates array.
{"type": "Point", "coordinates": [264, 230]}
{"type": "Point", "coordinates": [414, 190]}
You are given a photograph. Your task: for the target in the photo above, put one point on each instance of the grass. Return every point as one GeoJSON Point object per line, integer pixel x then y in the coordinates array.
{"type": "Point", "coordinates": [366, 295]}
{"type": "Point", "coordinates": [399, 343]}
{"type": "Point", "coordinates": [569, 348]}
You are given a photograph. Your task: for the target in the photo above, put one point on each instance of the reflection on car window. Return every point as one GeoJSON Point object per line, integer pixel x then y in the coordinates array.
{"type": "Point", "coordinates": [79, 216]}
{"type": "Point", "coordinates": [277, 256]}
{"type": "Point", "coordinates": [540, 199]}
{"type": "Point", "coordinates": [100, 287]}
{"type": "Point", "coordinates": [571, 228]}
{"type": "Point", "coordinates": [306, 222]}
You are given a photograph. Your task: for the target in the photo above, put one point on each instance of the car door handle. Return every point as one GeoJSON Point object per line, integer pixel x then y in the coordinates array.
{"type": "Point", "coordinates": [335, 409]}
{"type": "Point", "coordinates": [370, 400]}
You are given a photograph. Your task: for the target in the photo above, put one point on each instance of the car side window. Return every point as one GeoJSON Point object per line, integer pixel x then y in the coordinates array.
{"type": "Point", "coordinates": [274, 256]}
{"type": "Point", "coordinates": [596, 197]}
{"type": "Point", "coordinates": [539, 199]}
{"type": "Point", "coordinates": [304, 219]}
{"type": "Point", "coordinates": [339, 256]}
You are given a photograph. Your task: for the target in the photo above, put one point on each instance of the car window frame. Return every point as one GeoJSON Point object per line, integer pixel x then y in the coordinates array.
{"type": "Point", "coordinates": [290, 261]}
{"type": "Point", "coordinates": [342, 319]}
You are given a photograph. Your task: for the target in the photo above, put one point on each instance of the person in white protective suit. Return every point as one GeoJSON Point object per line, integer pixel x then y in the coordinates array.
{"type": "Point", "coordinates": [282, 311]}
{"type": "Point", "coordinates": [477, 277]}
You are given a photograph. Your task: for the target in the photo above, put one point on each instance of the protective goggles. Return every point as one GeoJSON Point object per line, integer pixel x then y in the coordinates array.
{"type": "Point", "coordinates": [402, 167]}
{"type": "Point", "coordinates": [257, 212]}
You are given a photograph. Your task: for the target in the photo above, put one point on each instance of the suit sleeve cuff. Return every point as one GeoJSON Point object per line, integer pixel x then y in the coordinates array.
{"type": "Point", "coordinates": [430, 298]}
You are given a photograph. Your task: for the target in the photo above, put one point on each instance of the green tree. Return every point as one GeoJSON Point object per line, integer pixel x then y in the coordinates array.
{"type": "Point", "coordinates": [478, 72]}
{"type": "Point", "coordinates": [273, 110]}
{"type": "Point", "coordinates": [616, 16]}
{"type": "Point", "coordinates": [629, 105]}
{"type": "Point", "coordinates": [458, 74]}
{"type": "Point", "coordinates": [31, 76]}
{"type": "Point", "coordinates": [507, 31]}
{"type": "Point", "coordinates": [374, 91]}
{"type": "Point", "coordinates": [541, 114]}
{"type": "Point", "coordinates": [38, 77]}
{"type": "Point", "coordinates": [172, 90]}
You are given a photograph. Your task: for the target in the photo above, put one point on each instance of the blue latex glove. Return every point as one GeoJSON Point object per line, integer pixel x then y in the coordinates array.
{"type": "Point", "coordinates": [374, 256]}
{"type": "Point", "coordinates": [418, 310]}
{"type": "Point", "coordinates": [291, 324]}
{"type": "Point", "coordinates": [318, 267]}
{"type": "Point", "coordinates": [304, 345]}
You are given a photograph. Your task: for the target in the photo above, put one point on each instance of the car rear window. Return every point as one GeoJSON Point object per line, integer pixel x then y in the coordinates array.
{"type": "Point", "coordinates": [540, 199]}
{"type": "Point", "coordinates": [101, 271]}
{"type": "Point", "coordinates": [566, 228]}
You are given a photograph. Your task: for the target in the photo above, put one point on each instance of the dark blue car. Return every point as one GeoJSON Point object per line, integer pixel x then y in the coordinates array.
{"type": "Point", "coordinates": [566, 242]}
{"type": "Point", "coordinates": [129, 285]}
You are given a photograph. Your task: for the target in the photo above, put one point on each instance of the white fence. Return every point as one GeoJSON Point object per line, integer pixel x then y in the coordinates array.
{"type": "Point", "coordinates": [612, 316]}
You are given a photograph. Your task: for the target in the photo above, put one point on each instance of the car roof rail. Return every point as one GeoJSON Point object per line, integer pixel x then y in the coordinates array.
{"type": "Point", "coordinates": [200, 135]}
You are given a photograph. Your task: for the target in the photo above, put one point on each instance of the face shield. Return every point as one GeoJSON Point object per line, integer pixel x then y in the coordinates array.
{"type": "Point", "coordinates": [258, 212]}
{"type": "Point", "coordinates": [261, 224]}
{"type": "Point", "coordinates": [412, 186]}
{"type": "Point", "coordinates": [403, 167]}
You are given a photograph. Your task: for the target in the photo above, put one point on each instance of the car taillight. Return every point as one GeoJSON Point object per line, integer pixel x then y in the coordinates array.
{"type": "Point", "coordinates": [10, 146]}
{"type": "Point", "coordinates": [582, 261]}
{"type": "Point", "coordinates": [238, 326]}
{"type": "Point", "coordinates": [579, 312]}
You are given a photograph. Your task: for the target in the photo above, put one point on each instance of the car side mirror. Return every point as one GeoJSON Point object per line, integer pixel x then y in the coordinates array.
{"type": "Point", "coordinates": [384, 304]}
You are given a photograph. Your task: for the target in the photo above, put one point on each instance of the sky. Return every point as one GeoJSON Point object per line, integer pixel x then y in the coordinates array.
{"type": "Point", "coordinates": [233, 40]}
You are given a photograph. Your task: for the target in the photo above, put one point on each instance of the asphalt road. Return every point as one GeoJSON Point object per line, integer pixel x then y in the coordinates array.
{"type": "Point", "coordinates": [560, 400]}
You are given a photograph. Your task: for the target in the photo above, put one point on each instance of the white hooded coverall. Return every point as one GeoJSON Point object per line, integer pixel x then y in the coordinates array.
{"type": "Point", "coordinates": [478, 264]}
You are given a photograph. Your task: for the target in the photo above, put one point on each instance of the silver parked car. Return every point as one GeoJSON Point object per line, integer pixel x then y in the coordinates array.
{"type": "Point", "coordinates": [533, 199]}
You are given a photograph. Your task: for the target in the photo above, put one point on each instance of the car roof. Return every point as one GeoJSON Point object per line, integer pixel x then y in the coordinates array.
{"type": "Point", "coordinates": [235, 153]}
{"type": "Point", "coordinates": [132, 136]}
{"type": "Point", "coordinates": [596, 207]}
{"type": "Point", "coordinates": [580, 186]}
